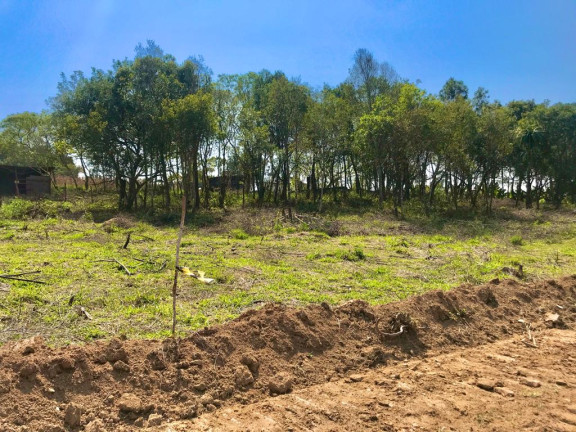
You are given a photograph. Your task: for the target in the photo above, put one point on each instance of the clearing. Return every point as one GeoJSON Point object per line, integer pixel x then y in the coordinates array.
{"type": "Point", "coordinates": [256, 257]}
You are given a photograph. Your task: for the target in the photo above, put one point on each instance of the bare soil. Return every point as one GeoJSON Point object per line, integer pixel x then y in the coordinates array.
{"type": "Point", "coordinates": [500, 356]}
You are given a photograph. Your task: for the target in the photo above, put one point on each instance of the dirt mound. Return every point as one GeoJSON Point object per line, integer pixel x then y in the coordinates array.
{"type": "Point", "coordinates": [124, 222]}
{"type": "Point", "coordinates": [128, 384]}
{"type": "Point", "coordinates": [500, 387]}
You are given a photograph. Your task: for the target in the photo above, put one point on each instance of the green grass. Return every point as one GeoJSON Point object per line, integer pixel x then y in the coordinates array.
{"type": "Point", "coordinates": [255, 257]}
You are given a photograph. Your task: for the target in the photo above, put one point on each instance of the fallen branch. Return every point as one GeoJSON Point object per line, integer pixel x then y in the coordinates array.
{"type": "Point", "coordinates": [403, 329]}
{"type": "Point", "coordinates": [144, 261]}
{"type": "Point", "coordinates": [124, 267]}
{"type": "Point", "coordinates": [83, 312]}
{"type": "Point", "coordinates": [117, 262]}
{"type": "Point", "coordinates": [532, 341]}
{"type": "Point", "coordinates": [162, 265]}
{"type": "Point", "coordinates": [24, 280]}
{"type": "Point", "coordinates": [16, 278]}
{"type": "Point", "coordinates": [23, 274]}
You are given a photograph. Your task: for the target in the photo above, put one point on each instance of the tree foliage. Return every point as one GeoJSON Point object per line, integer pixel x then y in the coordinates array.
{"type": "Point", "coordinates": [159, 128]}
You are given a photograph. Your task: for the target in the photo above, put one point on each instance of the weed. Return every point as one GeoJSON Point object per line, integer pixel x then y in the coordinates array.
{"type": "Point", "coordinates": [313, 256]}
{"type": "Point", "coordinates": [91, 333]}
{"type": "Point", "coordinates": [356, 254]}
{"type": "Point", "coordinates": [516, 240]}
{"type": "Point", "coordinates": [239, 234]}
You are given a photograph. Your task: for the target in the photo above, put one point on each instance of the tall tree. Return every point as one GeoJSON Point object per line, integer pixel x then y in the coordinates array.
{"type": "Point", "coordinates": [370, 76]}
{"type": "Point", "coordinates": [193, 122]}
{"type": "Point", "coordinates": [284, 113]}
{"type": "Point", "coordinates": [227, 108]}
{"type": "Point", "coordinates": [453, 89]}
{"type": "Point", "coordinates": [480, 100]}
{"type": "Point", "coordinates": [490, 149]}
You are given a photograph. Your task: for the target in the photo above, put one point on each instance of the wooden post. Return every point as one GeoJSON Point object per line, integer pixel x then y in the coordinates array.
{"type": "Point", "coordinates": [177, 262]}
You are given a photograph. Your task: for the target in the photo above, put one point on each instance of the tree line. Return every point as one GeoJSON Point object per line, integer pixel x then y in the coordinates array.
{"type": "Point", "coordinates": [161, 128]}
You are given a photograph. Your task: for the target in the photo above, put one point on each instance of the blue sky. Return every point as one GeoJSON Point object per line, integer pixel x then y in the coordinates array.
{"type": "Point", "coordinates": [517, 49]}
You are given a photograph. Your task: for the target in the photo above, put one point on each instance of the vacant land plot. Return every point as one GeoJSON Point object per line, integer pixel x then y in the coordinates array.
{"type": "Point", "coordinates": [102, 279]}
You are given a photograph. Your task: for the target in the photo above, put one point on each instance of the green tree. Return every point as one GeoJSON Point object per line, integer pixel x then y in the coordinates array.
{"type": "Point", "coordinates": [480, 100]}
{"type": "Point", "coordinates": [115, 120]}
{"type": "Point", "coordinates": [371, 77]}
{"type": "Point", "coordinates": [30, 139]}
{"type": "Point", "coordinates": [227, 109]}
{"type": "Point", "coordinates": [284, 112]}
{"type": "Point", "coordinates": [453, 90]}
{"type": "Point", "coordinates": [458, 130]}
{"type": "Point", "coordinates": [329, 136]}
{"type": "Point", "coordinates": [490, 150]}
{"type": "Point", "coordinates": [561, 131]}
{"type": "Point", "coordinates": [193, 122]}
{"type": "Point", "coordinates": [528, 154]}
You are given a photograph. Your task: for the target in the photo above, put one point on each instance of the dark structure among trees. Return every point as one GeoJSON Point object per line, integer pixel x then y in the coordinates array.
{"type": "Point", "coordinates": [234, 182]}
{"type": "Point", "coordinates": [17, 180]}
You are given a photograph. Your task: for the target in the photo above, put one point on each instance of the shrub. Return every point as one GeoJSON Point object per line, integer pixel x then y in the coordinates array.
{"type": "Point", "coordinates": [16, 208]}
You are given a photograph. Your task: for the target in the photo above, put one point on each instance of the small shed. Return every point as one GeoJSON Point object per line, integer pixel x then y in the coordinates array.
{"type": "Point", "coordinates": [20, 180]}
{"type": "Point", "coordinates": [234, 182]}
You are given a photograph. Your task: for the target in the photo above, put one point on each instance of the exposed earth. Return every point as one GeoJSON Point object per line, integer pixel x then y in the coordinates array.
{"type": "Point", "coordinates": [500, 357]}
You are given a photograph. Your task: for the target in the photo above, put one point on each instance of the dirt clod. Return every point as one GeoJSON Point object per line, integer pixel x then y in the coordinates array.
{"type": "Point", "coordinates": [65, 363]}
{"type": "Point", "coordinates": [95, 426]}
{"type": "Point", "coordinates": [130, 403]}
{"type": "Point", "coordinates": [251, 362]}
{"type": "Point", "coordinates": [115, 351]}
{"type": "Point", "coordinates": [156, 359]}
{"type": "Point", "coordinates": [206, 399]}
{"type": "Point", "coordinates": [487, 295]}
{"type": "Point", "coordinates": [485, 385]}
{"type": "Point", "coordinates": [73, 415]}
{"type": "Point", "coordinates": [5, 383]}
{"type": "Point", "coordinates": [120, 366]}
{"type": "Point", "coordinates": [28, 370]}
{"type": "Point", "coordinates": [154, 419]}
{"type": "Point", "coordinates": [506, 392]}
{"type": "Point", "coordinates": [356, 378]}
{"type": "Point", "coordinates": [243, 376]}
{"type": "Point", "coordinates": [531, 382]}
{"type": "Point", "coordinates": [403, 387]}
{"type": "Point", "coordinates": [281, 383]}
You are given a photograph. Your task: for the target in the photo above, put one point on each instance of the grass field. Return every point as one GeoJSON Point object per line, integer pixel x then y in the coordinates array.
{"type": "Point", "coordinates": [255, 256]}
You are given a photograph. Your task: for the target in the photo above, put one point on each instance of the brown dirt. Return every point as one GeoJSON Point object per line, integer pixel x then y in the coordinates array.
{"type": "Point", "coordinates": [465, 361]}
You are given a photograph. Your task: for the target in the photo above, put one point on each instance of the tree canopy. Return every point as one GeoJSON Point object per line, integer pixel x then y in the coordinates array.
{"type": "Point", "coordinates": [158, 127]}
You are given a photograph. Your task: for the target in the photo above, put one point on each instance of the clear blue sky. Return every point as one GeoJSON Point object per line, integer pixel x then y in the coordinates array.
{"type": "Point", "coordinates": [517, 49]}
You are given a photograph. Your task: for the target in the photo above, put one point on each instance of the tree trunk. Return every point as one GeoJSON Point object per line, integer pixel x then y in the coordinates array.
{"type": "Point", "coordinates": [195, 179]}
